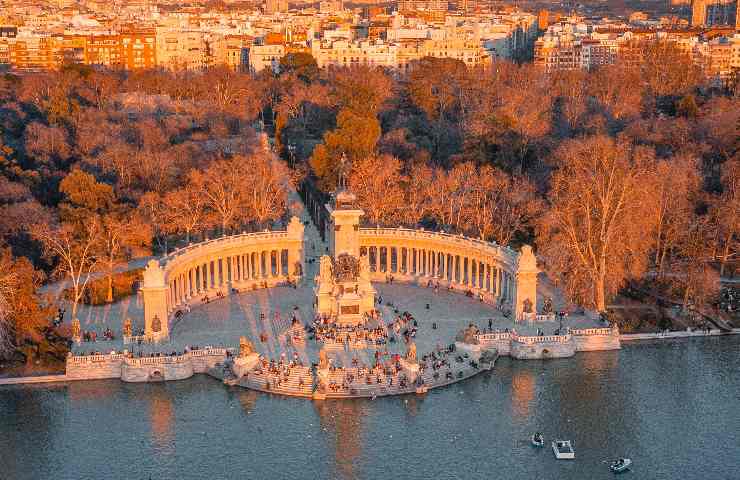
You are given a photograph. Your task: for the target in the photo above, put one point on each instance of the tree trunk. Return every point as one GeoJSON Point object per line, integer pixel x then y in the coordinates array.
{"type": "Point", "coordinates": [724, 258]}
{"type": "Point", "coordinates": [109, 297]}
{"type": "Point", "coordinates": [600, 294]}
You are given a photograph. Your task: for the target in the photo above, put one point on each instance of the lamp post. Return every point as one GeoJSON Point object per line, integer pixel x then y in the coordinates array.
{"type": "Point", "coordinates": [291, 154]}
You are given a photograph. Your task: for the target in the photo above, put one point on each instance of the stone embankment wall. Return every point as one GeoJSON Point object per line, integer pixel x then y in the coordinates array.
{"type": "Point", "coordinates": [552, 346]}
{"type": "Point", "coordinates": [143, 369]}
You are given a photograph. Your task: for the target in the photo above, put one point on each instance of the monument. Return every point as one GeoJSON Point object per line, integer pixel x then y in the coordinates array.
{"type": "Point", "coordinates": [343, 288]}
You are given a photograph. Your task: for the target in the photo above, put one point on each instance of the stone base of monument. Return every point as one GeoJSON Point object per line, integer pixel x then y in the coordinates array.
{"type": "Point", "coordinates": [422, 390]}
{"type": "Point", "coordinates": [245, 364]}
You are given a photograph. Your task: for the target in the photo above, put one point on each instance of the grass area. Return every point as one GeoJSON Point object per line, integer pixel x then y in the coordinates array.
{"type": "Point", "coordinates": [96, 292]}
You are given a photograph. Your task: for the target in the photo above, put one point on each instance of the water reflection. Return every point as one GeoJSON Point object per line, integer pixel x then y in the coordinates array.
{"type": "Point", "coordinates": [522, 391]}
{"type": "Point", "coordinates": [344, 419]}
{"type": "Point", "coordinates": [161, 419]}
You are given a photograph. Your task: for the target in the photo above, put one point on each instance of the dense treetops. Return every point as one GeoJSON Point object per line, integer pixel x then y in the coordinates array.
{"type": "Point", "coordinates": [627, 171]}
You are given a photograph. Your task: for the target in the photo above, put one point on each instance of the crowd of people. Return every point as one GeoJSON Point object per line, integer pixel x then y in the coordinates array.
{"type": "Point", "coordinates": [281, 372]}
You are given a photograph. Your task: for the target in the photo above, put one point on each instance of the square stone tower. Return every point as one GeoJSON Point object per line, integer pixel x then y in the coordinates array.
{"type": "Point", "coordinates": [344, 235]}
{"type": "Point", "coordinates": [343, 288]}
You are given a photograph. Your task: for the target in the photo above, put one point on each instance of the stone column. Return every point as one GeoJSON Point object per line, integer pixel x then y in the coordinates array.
{"type": "Point", "coordinates": [154, 291]}
{"type": "Point", "coordinates": [279, 262]}
{"type": "Point", "coordinates": [377, 259]}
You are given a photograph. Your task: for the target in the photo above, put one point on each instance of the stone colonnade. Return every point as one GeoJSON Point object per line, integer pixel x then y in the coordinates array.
{"type": "Point", "coordinates": [465, 263]}
{"type": "Point", "coordinates": [237, 261]}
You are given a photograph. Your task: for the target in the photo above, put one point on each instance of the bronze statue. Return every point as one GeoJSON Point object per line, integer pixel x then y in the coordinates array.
{"type": "Point", "coordinates": [127, 327]}
{"type": "Point", "coordinates": [76, 328]}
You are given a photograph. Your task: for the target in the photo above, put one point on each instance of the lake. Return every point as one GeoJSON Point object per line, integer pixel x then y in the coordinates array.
{"type": "Point", "coordinates": [672, 406]}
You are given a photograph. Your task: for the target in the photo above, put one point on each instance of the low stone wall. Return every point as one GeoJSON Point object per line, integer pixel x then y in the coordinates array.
{"type": "Point", "coordinates": [552, 346]}
{"type": "Point", "coordinates": [143, 369]}
{"type": "Point", "coordinates": [537, 348]}
{"type": "Point", "coordinates": [153, 369]}
{"type": "Point", "coordinates": [93, 367]}
{"type": "Point", "coordinates": [596, 339]}
{"type": "Point", "coordinates": [500, 341]}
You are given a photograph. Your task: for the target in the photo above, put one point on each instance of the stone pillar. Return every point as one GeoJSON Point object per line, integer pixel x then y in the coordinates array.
{"type": "Point", "coordinates": [154, 292]}
{"type": "Point", "coordinates": [279, 262]}
{"type": "Point", "coordinates": [377, 259]}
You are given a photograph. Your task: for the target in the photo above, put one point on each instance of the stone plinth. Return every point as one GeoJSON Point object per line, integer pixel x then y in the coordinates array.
{"type": "Point", "coordinates": [243, 365]}
{"type": "Point", "coordinates": [526, 283]}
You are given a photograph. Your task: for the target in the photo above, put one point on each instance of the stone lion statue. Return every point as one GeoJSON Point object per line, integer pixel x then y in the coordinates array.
{"type": "Point", "coordinates": [468, 335]}
{"type": "Point", "coordinates": [245, 347]}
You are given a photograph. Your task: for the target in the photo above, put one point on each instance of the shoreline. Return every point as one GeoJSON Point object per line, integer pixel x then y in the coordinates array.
{"type": "Point", "coordinates": [629, 337]}
{"type": "Point", "coordinates": [625, 337]}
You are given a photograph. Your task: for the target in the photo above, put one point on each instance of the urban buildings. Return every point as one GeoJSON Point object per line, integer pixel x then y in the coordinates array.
{"type": "Point", "coordinates": [574, 43]}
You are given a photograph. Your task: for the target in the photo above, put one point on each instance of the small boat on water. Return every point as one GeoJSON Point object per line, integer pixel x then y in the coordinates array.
{"type": "Point", "coordinates": [537, 440]}
{"type": "Point", "coordinates": [620, 465]}
{"type": "Point", "coordinates": [563, 450]}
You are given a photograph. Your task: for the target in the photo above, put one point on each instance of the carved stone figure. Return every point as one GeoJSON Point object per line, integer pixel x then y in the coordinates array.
{"type": "Point", "coordinates": [245, 347]}
{"type": "Point", "coordinates": [323, 359]}
{"type": "Point", "coordinates": [411, 352]}
{"type": "Point", "coordinates": [527, 306]}
{"type": "Point", "coordinates": [547, 306]}
{"type": "Point", "coordinates": [325, 269]}
{"type": "Point", "coordinates": [127, 327]}
{"type": "Point", "coordinates": [365, 268]}
{"type": "Point", "coordinates": [346, 268]}
{"type": "Point", "coordinates": [76, 328]}
{"type": "Point", "coordinates": [156, 324]}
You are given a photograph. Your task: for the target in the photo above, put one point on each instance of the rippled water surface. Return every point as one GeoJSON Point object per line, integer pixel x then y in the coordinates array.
{"type": "Point", "coordinates": [673, 407]}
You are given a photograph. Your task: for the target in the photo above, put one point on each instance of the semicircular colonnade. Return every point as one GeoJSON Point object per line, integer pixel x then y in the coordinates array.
{"type": "Point", "coordinates": [266, 259]}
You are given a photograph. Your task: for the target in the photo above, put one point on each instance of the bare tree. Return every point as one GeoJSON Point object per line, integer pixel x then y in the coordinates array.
{"type": "Point", "coordinates": [595, 235]}
{"type": "Point", "coordinates": [377, 182]}
{"type": "Point", "coordinates": [75, 252]}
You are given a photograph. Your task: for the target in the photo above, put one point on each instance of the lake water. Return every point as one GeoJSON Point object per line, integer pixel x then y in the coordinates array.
{"type": "Point", "coordinates": [672, 406]}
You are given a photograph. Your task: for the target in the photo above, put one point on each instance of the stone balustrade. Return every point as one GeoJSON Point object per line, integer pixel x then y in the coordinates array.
{"type": "Point", "coordinates": [593, 331]}
{"type": "Point", "coordinates": [143, 369]}
{"type": "Point", "coordinates": [493, 337]}
{"type": "Point", "coordinates": [530, 340]}
{"type": "Point", "coordinates": [484, 268]}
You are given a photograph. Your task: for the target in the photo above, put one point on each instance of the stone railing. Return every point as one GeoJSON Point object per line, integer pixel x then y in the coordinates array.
{"type": "Point", "coordinates": [534, 317]}
{"type": "Point", "coordinates": [531, 340]}
{"type": "Point", "coordinates": [591, 331]}
{"type": "Point", "coordinates": [493, 337]}
{"type": "Point", "coordinates": [223, 243]}
{"type": "Point", "coordinates": [207, 351]}
{"type": "Point", "coordinates": [504, 254]}
{"type": "Point", "coordinates": [98, 358]}
{"type": "Point", "coordinates": [138, 362]}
